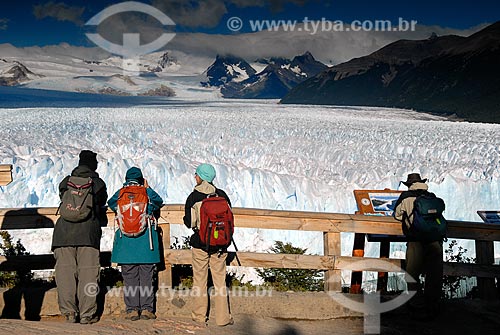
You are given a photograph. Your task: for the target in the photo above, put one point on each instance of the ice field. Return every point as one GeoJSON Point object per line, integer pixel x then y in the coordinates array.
{"type": "Point", "coordinates": [307, 158]}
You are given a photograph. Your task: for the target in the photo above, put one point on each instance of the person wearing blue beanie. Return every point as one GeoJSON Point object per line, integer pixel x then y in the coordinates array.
{"type": "Point", "coordinates": [206, 172]}
{"type": "Point", "coordinates": [204, 257]}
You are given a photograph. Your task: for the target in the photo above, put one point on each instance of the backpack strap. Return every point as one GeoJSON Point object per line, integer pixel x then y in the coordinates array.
{"type": "Point", "coordinates": [92, 193]}
{"type": "Point", "coordinates": [60, 202]}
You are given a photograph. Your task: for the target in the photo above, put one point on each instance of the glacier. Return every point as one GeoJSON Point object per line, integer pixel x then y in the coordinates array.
{"type": "Point", "coordinates": [267, 155]}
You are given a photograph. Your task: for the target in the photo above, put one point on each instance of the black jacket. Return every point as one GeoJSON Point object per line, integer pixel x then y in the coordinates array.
{"type": "Point", "coordinates": [195, 197]}
{"type": "Point", "coordinates": [87, 233]}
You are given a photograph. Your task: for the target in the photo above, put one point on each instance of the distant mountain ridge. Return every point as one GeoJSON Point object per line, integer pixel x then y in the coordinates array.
{"type": "Point", "coordinates": [37, 68]}
{"type": "Point", "coordinates": [276, 80]}
{"type": "Point", "coordinates": [16, 74]}
{"type": "Point", "coordinates": [226, 69]}
{"type": "Point", "coordinates": [444, 75]}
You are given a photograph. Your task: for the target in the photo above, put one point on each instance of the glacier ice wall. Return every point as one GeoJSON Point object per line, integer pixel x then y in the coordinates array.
{"type": "Point", "coordinates": [307, 158]}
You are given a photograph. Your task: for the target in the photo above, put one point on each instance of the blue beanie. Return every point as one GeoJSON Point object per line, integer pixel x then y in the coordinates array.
{"type": "Point", "coordinates": [206, 172]}
{"type": "Point", "coordinates": [134, 173]}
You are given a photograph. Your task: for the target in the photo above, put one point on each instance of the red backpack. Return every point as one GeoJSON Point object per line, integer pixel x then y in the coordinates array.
{"type": "Point", "coordinates": [216, 222]}
{"type": "Point", "coordinates": [131, 211]}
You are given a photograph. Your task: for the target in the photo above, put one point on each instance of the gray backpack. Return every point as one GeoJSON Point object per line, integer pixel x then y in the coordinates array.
{"type": "Point", "coordinates": [77, 202]}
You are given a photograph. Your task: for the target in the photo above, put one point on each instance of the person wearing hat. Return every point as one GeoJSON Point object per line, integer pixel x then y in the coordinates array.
{"type": "Point", "coordinates": [422, 258]}
{"type": "Point", "coordinates": [138, 255]}
{"type": "Point", "coordinates": [76, 247]}
{"type": "Point", "coordinates": [203, 260]}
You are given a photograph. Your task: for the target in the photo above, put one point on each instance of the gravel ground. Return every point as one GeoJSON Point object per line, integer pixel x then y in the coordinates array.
{"type": "Point", "coordinates": [458, 317]}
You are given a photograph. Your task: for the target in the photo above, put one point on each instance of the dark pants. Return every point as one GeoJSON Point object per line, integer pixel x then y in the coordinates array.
{"type": "Point", "coordinates": [138, 292]}
{"type": "Point", "coordinates": [426, 259]}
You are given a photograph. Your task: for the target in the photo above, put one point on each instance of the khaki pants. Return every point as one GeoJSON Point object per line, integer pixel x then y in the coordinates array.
{"type": "Point", "coordinates": [426, 259]}
{"type": "Point", "coordinates": [201, 262]}
{"type": "Point", "coordinates": [77, 273]}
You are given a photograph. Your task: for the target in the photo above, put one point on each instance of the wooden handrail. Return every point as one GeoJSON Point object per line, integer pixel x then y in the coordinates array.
{"type": "Point", "coordinates": [44, 217]}
{"type": "Point", "coordinates": [5, 174]}
{"type": "Point", "coordinates": [330, 224]}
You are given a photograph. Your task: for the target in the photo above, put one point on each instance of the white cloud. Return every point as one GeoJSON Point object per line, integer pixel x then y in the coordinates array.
{"type": "Point", "coordinates": [209, 13]}
{"type": "Point", "coordinates": [328, 47]}
{"type": "Point", "coordinates": [59, 11]}
{"type": "Point", "coordinates": [3, 23]}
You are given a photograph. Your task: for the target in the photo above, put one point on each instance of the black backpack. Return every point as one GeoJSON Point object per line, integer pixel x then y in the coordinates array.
{"type": "Point", "coordinates": [427, 223]}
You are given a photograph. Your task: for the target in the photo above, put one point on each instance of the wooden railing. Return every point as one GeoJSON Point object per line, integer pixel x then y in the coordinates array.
{"type": "Point", "coordinates": [331, 225]}
{"type": "Point", "coordinates": [5, 174]}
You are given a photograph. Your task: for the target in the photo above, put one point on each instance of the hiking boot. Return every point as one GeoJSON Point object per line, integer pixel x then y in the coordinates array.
{"type": "Point", "coordinates": [88, 320]}
{"type": "Point", "coordinates": [230, 323]}
{"type": "Point", "coordinates": [147, 315]}
{"type": "Point", "coordinates": [200, 322]}
{"type": "Point", "coordinates": [132, 316]}
{"type": "Point", "coordinates": [70, 317]}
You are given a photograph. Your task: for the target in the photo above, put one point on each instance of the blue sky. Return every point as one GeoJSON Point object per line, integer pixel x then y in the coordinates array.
{"type": "Point", "coordinates": [35, 22]}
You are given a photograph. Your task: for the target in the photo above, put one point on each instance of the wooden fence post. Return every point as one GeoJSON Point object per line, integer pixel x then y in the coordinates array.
{"type": "Point", "coordinates": [485, 256]}
{"type": "Point", "coordinates": [333, 278]}
{"type": "Point", "coordinates": [165, 275]}
{"type": "Point", "coordinates": [385, 247]}
{"type": "Point", "coordinates": [358, 250]}
{"type": "Point", "coordinates": [5, 174]}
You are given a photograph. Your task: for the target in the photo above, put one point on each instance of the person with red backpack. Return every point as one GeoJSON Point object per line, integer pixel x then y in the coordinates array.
{"type": "Point", "coordinates": [208, 213]}
{"type": "Point", "coordinates": [136, 245]}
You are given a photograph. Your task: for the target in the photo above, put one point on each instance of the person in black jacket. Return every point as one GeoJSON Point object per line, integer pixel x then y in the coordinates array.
{"type": "Point", "coordinates": [76, 248]}
{"type": "Point", "coordinates": [203, 259]}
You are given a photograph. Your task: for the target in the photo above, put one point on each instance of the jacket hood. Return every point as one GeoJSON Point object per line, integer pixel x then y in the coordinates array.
{"type": "Point", "coordinates": [134, 174]}
{"type": "Point", "coordinates": [419, 186]}
{"type": "Point", "coordinates": [205, 187]}
{"type": "Point", "coordinates": [84, 171]}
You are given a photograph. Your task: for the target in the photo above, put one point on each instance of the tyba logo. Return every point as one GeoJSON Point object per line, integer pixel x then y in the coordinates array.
{"type": "Point", "coordinates": [371, 305]}
{"type": "Point", "coordinates": [131, 48]}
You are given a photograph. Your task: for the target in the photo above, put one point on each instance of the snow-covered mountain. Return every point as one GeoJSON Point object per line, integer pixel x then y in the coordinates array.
{"type": "Point", "coordinates": [91, 70]}
{"type": "Point", "coordinates": [81, 69]}
{"type": "Point", "coordinates": [276, 80]}
{"type": "Point", "coordinates": [445, 75]}
{"type": "Point", "coordinates": [15, 73]}
{"type": "Point", "coordinates": [226, 69]}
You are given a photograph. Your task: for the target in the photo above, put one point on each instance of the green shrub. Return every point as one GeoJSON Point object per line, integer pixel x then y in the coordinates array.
{"type": "Point", "coordinates": [110, 277]}
{"type": "Point", "coordinates": [455, 286]}
{"type": "Point", "coordinates": [291, 279]}
{"type": "Point", "coordinates": [182, 274]}
{"type": "Point", "coordinates": [13, 278]}
{"type": "Point", "coordinates": [232, 280]}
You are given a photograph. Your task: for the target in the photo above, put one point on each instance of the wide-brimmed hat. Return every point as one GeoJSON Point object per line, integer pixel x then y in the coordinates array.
{"type": "Point", "coordinates": [414, 178]}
